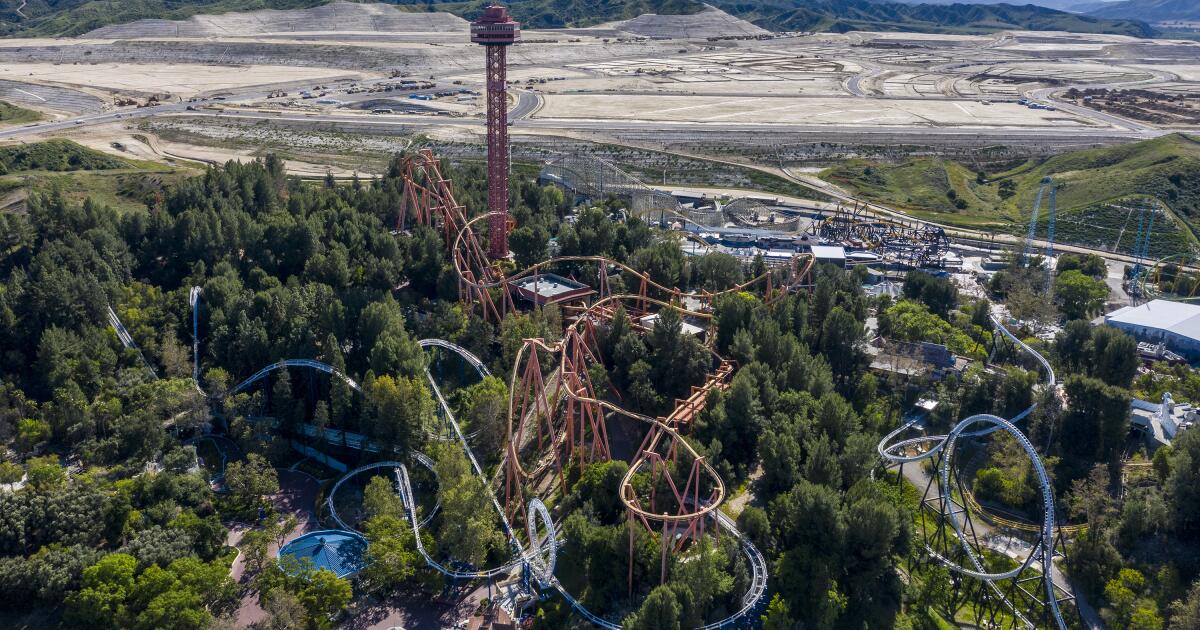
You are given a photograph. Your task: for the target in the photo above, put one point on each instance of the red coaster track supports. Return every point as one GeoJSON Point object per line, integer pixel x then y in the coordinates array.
{"type": "Point", "coordinates": [429, 197]}
{"type": "Point", "coordinates": [531, 398]}
{"type": "Point", "coordinates": [496, 31]}
{"type": "Point", "coordinates": [584, 419]}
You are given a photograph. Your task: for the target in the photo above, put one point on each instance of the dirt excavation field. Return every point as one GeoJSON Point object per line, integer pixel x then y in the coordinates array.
{"type": "Point", "coordinates": [815, 111]}
{"type": "Point", "coordinates": [181, 80]}
{"type": "Point", "coordinates": [387, 75]}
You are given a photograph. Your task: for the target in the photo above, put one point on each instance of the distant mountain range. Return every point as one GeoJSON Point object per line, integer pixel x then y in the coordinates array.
{"type": "Point", "coordinates": [1144, 10]}
{"type": "Point", "coordinates": [1072, 6]}
{"type": "Point", "coordinates": [868, 15]}
{"type": "Point", "coordinates": [75, 17]}
{"type": "Point", "coordinates": [1150, 10]}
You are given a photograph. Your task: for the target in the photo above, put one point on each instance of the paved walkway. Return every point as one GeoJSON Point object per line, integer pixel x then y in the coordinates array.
{"type": "Point", "coordinates": [297, 496]}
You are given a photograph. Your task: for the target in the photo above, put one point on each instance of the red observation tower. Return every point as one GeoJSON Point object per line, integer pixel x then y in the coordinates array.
{"type": "Point", "coordinates": [496, 30]}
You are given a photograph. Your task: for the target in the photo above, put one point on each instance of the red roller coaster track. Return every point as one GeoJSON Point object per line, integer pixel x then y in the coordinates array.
{"type": "Point", "coordinates": [558, 418]}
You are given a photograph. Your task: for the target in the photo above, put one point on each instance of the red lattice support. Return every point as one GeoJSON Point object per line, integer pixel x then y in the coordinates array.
{"type": "Point", "coordinates": [428, 198]}
{"type": "Point", "coordinates": [497, 141]}
{"type": "Point", "coordinates": [531, 399]}
{"type": "Point", "coordinates": [496, 31]}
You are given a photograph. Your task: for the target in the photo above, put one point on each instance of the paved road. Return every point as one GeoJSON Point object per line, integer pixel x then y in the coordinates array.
{"type": "Point", "coordinates": [854, 84]}
{"type": "Point", "coordinates": [527, 103]}
{"type": "Point", "coordinates": [1047, 96]}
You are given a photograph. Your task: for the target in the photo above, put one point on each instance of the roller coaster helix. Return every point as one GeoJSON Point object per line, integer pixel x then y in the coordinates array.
{"type": "Point", "coordinates": [1002, 594]}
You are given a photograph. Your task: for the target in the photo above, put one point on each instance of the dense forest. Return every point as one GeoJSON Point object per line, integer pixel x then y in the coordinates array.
{"type": "Point", "coordinates": [114, 516]}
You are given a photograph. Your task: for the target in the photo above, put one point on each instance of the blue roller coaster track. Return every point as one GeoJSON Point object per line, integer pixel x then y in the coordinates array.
{"type": "Point", "coordinates": [1043, 554]}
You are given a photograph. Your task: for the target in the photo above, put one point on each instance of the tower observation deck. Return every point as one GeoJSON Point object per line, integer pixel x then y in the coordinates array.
{"type": "Point", "coordinates": [496, 30]}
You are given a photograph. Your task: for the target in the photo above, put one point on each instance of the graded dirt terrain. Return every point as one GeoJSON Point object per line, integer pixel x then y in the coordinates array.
{"type": "Point", "coordinates": [815, 111]}
{"type": "Point", "coordinates": [333, 17]}
{"type": "Point", "coordinates": [181, 80]}
{"type": "Point", "coordinates": [707, 81]}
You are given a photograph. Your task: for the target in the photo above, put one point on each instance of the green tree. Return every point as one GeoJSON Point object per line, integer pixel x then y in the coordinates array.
{"type": "Point", "coordinates": [1183, 482]}
{"type": "Point", "coordinates": [284, 610]}
{"type": "Point", "coordinates": [778, 615]}
{"type": "Point", "coordinates": [1073, 345]}
{"type": "Point", "coordinates": [529, 245]}
{"type": "Point", "coordinates": [1079, 295]}
{"type": "Point", "coordinates": [44, 474]}
{"type": "Point", "coordinates": [251, 480]}
{"type": "Point", "coordinates": [937, 590]}
{"type": "Point", "coordinates": [380, 499]}
{"type": "Point", "coordinates": [705, 577]}
{"type": "Point", "coordinates": [1089, 264]}
{"type": "Point", "coordinates": [754, 524]}
{"type": "Point", "coordinates": [340, 394]}
{"type": "Point", "coordinates": [398, 410]}
{"type": "Point", "coordinates": [840, 335]}
{"type": "Point", "coordinates": [911, 321]}
{"type": "Point", "coordinates": [468, 531]}
{"type": "Point", "coordinates": [325, 595]}
{"type": "Point", "coordinates": [663, 261]}
{"type": "Point", "coordinates": [1185, 612]}
{"type": "Point", "coordinates": [734, 312]}
{"type": "Point", "coordinates": [1126, 610]}
{"type": "Point", "coordinates": [395, 352]}
{"type": "Point", "coordinates": [718, 271]}
{"type": "Point", "coordinates": [30, 433]}
{"type": "Point", "coordinates": [10, 472]}
{"type": "Point", "coordinates": [643, 396]}
{"type": "Point", "coordinates": [485, 409]}
{"type": "Point", "coordinates": [255, 545]}
{"type": "Point", "coordinates": [939, 294]}
{"type": "Point", "coordinates": [1115, 357]}
{"type": "Point", "coordinates": [659, 611]}
{"type": "Point", "coordinates": [391, 557]}
{"type": "Point", "coordinates": [600, 486]}
{"type": "Point", "coordinates": [1096, 422]}
{"type": "Point", "coordinates": [106, 587]}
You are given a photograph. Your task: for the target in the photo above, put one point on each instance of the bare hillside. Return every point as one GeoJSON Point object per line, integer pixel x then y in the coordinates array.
{"type": "Point", "coordinates": [333, 17]}
{"type": "Point", "coordinates": [711, 22]}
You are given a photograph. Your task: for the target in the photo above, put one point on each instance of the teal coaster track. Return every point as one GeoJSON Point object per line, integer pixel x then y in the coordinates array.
{"type": "Point", "coordinates": [893, 451]}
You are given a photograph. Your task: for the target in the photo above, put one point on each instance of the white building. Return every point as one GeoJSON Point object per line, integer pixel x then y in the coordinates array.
{"type": "Point", "coordinates": [832, 254]}
{"type": "Point", "coordinates": [1162, 421]}
{"type": "Point", "coordinates": [688, 329]}
{"type": "Point", "coordinates": [1176, 324]}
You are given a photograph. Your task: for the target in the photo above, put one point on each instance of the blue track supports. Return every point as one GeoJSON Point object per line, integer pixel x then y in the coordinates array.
{"type": "Point", "coordinates": [1031, 234]}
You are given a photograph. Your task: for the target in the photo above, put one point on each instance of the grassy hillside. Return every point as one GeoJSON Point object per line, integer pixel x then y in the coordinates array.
{"type": "Point", "coordinates": [55, 155]}
{"type": "Point", "coordinates": [80, 173]}
{"type": "Point", "coordinates": [74, 17]}
{"type": "Point", "coordinates": [1166, 168]}
{"type": "Point", "coordinates": [563, 13]}
{"type": "Point", "coordinates": [13, 115]}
